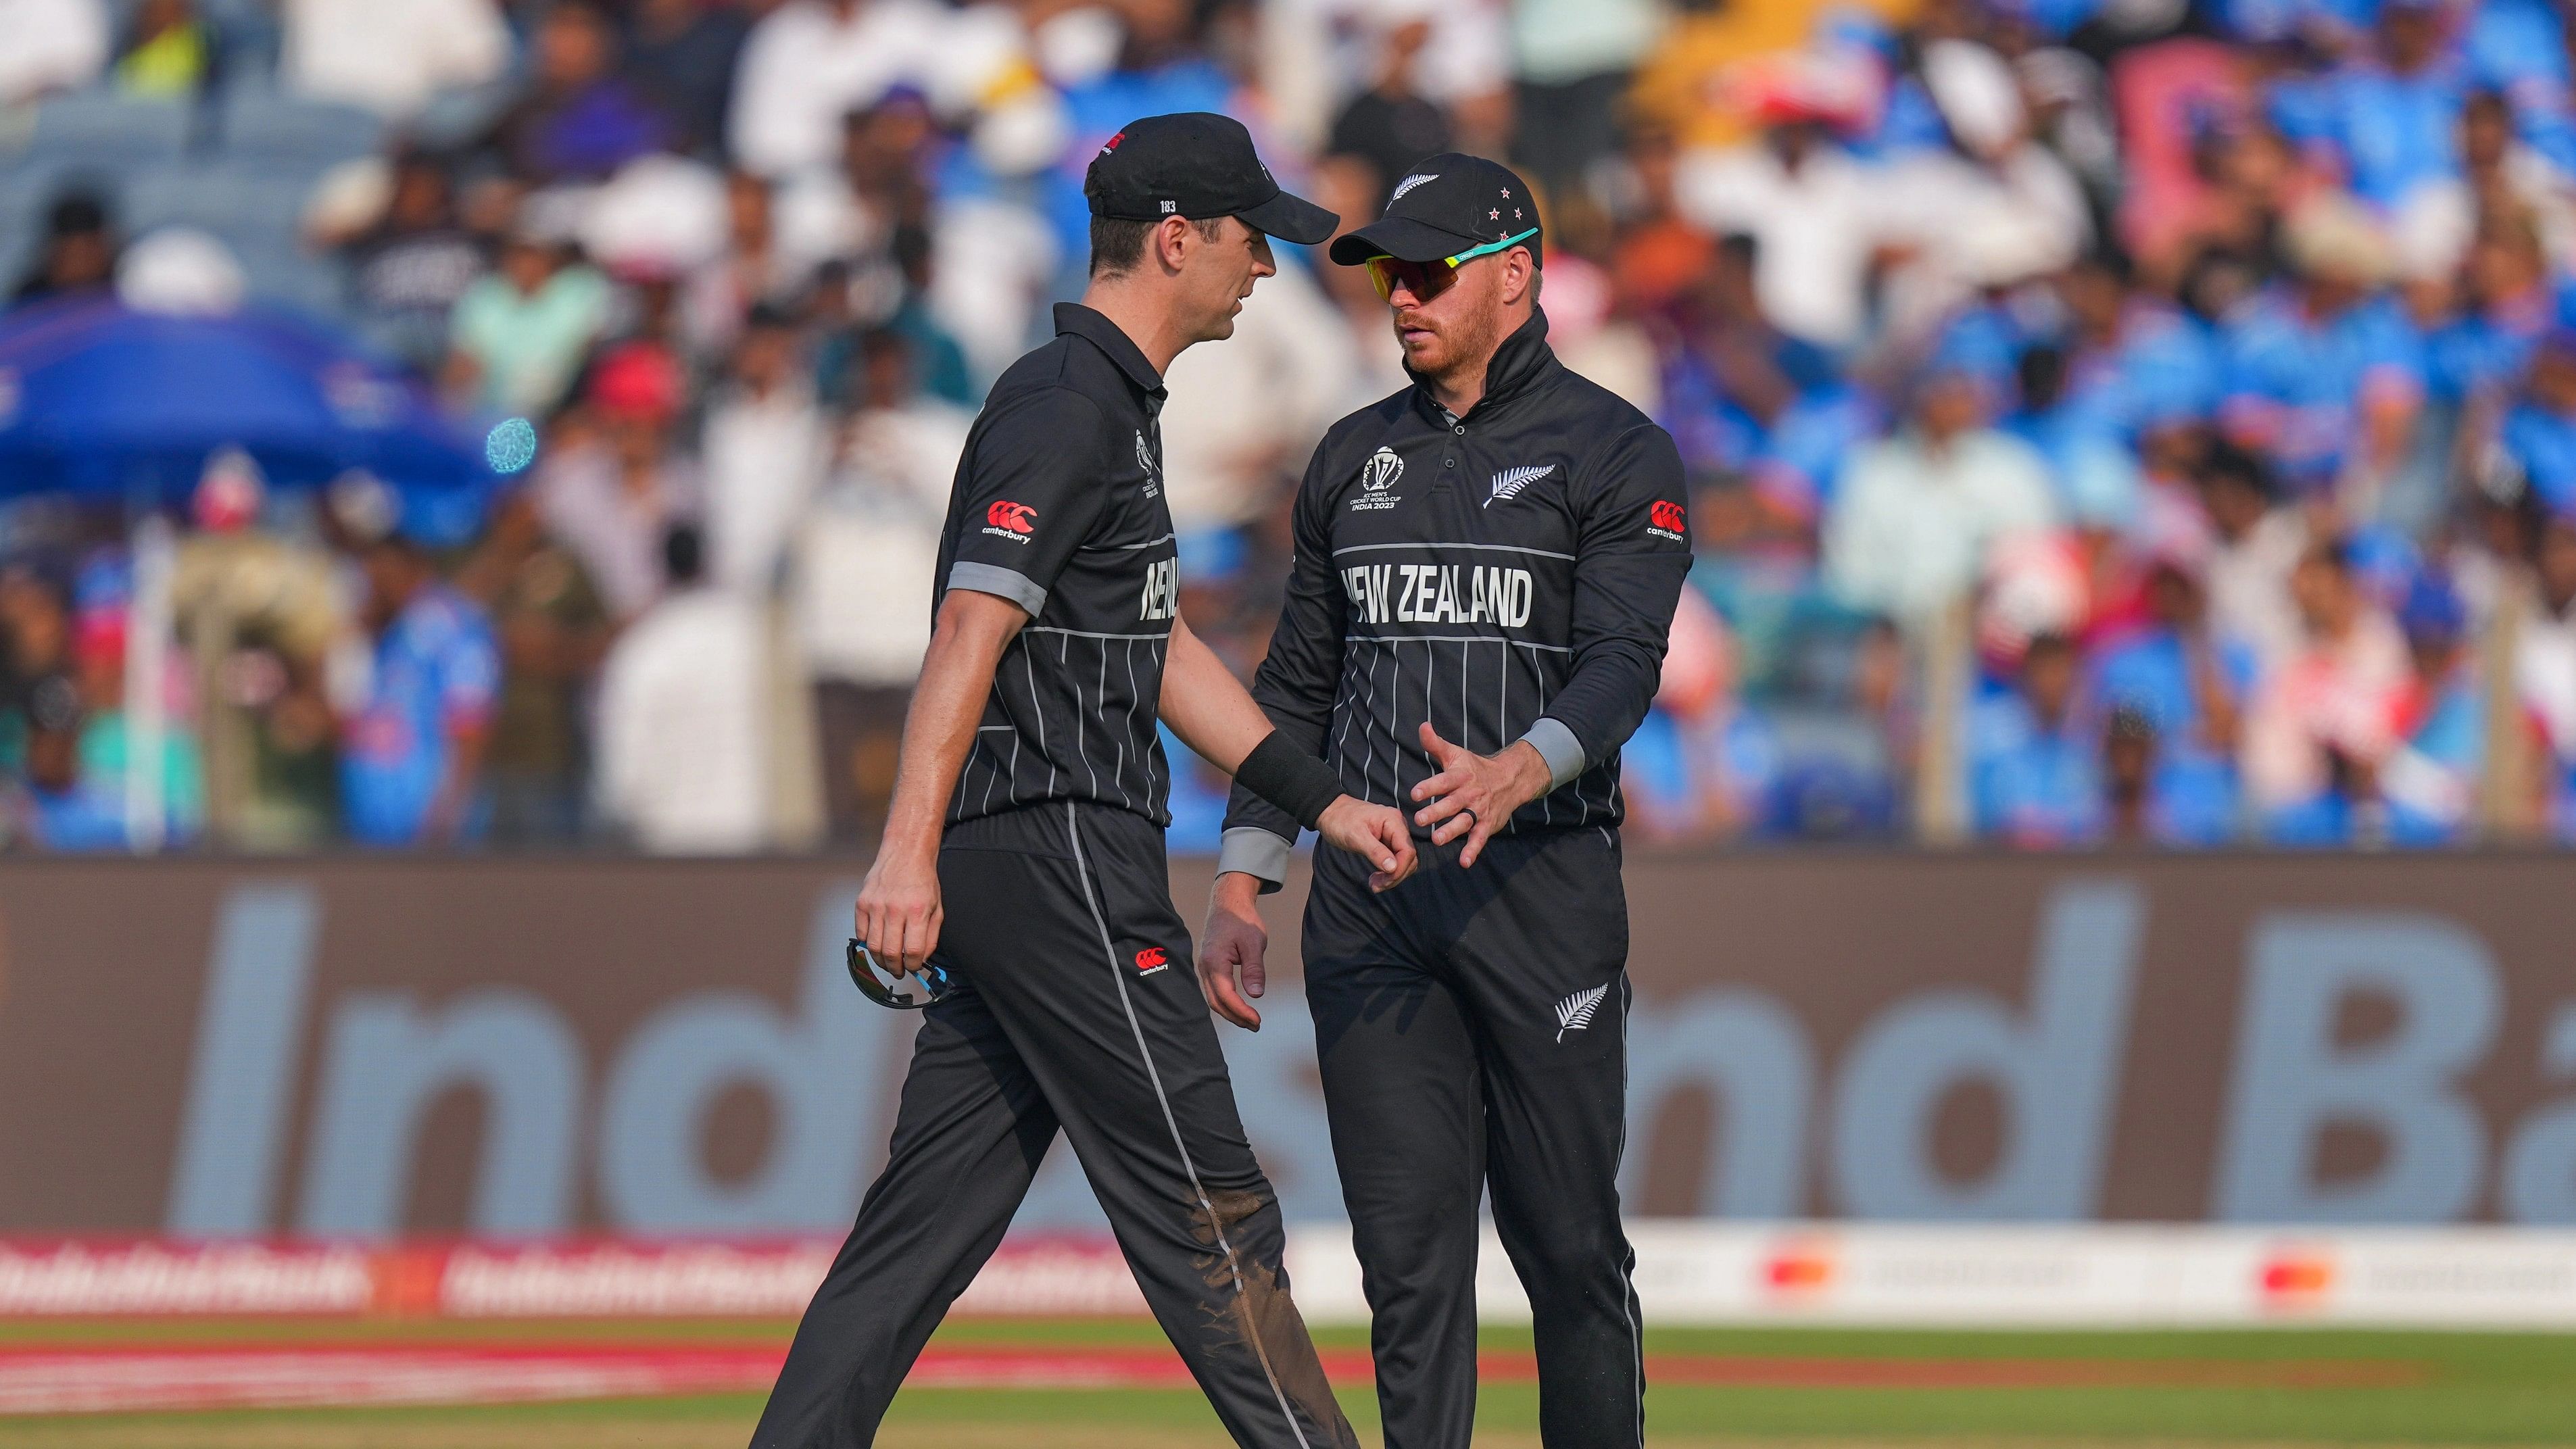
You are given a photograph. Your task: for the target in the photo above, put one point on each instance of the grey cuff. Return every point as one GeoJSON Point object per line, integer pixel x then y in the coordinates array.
{"type": "Point", "coordinates": [1000, 582]}
{"type": "Point", "coordinates": [1254, 852]}
{"type": "Point", "coordinates": [1557, 745]}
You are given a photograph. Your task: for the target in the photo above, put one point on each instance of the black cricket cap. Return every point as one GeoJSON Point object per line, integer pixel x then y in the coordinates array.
{"type": "Point", "coordinates": [1202, 166]}
{"type": "Point", "coordinates": [1445, 205]}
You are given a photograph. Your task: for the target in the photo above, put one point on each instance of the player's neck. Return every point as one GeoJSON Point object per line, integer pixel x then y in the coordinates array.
{"type": "Point", "coordinates": [1144, 314]}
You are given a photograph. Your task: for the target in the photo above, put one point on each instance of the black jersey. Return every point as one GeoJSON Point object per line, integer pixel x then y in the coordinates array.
{"type": "Point", "coordinates": [1510, 574]}
{"type": "Point", "coordinates": [1059, 507]}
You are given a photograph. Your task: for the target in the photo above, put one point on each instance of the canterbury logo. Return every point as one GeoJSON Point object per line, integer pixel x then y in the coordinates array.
{"type": "Point", "coordinates": [1016, 517]}
{"type": "Point", "coordinates": [1151, 960]}
{"type": "Point", "coordinates": [1664, 517]}
{"type": "Point", "coordinates": [1574, 1013]}
{"type": "Point", "coordinates": [1510, 482]}
{"type": "Point", "coordinates": [1410, 182]}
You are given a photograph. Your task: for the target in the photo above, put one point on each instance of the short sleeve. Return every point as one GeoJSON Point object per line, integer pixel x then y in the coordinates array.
{"type": "Point", "coordinates": [1028, 495]}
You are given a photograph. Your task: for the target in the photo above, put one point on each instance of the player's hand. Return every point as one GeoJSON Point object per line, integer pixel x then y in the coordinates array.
{"type": "Point", "coordinates": [1230, 949]}
{"type": "Point", "coordinates": [1474, 795]}
{"type": "Point", "coordinates": [899, 913]}
{"type": "Point", "coordinates": [1374, 833]}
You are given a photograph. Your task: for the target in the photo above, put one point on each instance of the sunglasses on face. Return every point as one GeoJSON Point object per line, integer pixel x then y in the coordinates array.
{"type": "Point", "coordinates": [1427, 280]}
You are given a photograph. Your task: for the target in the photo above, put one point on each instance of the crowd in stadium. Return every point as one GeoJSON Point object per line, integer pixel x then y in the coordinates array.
{"type": "Point", "coordinates": [2109, 420]}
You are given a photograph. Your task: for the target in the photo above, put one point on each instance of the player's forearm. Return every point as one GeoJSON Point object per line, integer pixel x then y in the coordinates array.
{"type": "Point", "coordinates": [947, 705]}
{"type": "Point", "coordinates": [1206, 705]}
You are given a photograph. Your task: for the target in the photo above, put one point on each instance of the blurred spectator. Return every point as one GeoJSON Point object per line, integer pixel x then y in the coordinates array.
{"type": "Point", "coordinates": [2385, 116]}
{"type": "Point", "coordinates": [413, 264]}
{"type": "Point", "coordinates": [2544, 666]}
{"type": "Point", "coordinates": [168, 51]}
{"type": "Point", "coordinates": [521, 332]}
{"type": "Point", "coordinates": [1819, 219]}
{"type": "Point", "coordinates": [263, 615]}
{"type": "Point", "coordinates": [2183, 686]}
{"type": "Point", "coordinates": [1703, 765]}
{"type": "Point", "coordinates": [2430, 783]}
{"type": "Point", "coordinates": [864, 577]}
{"type": "Point", "coordinates": [78, 254]}
{"type": "Point", "coordinates": [1573, 59]}
{"type": "Point", "coordinates": [579, 119]}
{"type": "Point", "coordinates": [2255, 546]}
{"type": "Point", "coordinates": [683, 724]}
{"type": "Point", "coordinates": [57, 807]}
{"type": "Point", "coordinates": [392, 56]}
{"type": "Point", "coordinates": [2324, 721]}
{"type": "Point", "coordinates": [612, 496]}
{"type": "Point", "coordinates": [2500, 179]}
{"type": "Point", "coordinates": [2322, 374]}
{"type": "Point", "coordinates": [2034, 773]}
{"type": "Point", "coordinates": [1391, 124]}
{"type": "Point", "coordinates": [108, 742]}
{"type": "Point", "coordinates": [412, 759]}
{"type": "Point", "coordinates": [682, 53]}
{"type": "Point", "coordinates": [2539, 434]}
{"type": "Point", "coordinates": [1914, 514]}
{"type": "Point", "coordinates": [809, 63]}
{"type": "Point", "coordinates": [54, 45]}
{"type": "Point", "coordinates": [766, 445]}
{"type": "Point", "coordinates": [755, 269]}
{"type": "Point", "coordinates": [553, 631]}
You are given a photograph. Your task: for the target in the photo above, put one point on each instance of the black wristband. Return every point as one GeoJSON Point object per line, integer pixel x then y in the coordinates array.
{"type": "Point", "coordinates": [1289, 778]}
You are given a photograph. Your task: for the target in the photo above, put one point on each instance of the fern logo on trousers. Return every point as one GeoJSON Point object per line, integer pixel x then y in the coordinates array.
{"type": "Point", "coordinates": [1574, 1013]}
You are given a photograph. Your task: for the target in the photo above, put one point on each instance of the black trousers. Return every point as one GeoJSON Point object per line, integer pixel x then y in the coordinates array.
{"type": "Point", "coordinates": [1472, 1029]}
{"type": "Point", "coordinates": [1077, 1010]}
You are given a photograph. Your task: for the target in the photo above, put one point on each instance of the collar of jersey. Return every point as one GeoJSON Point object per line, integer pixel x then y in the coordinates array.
{"type": "Point", "coordinates": [1518, 362]}
{"type": "Point", "coordinates": [1081, 321]}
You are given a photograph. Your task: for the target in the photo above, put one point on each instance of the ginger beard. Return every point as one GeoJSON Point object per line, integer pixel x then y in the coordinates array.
{"type": "Point", "coordinates": [1459, 328]}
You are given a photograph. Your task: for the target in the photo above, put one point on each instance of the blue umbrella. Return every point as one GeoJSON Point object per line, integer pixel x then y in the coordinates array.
{"type": "Point", "coordinates": [99, 400]}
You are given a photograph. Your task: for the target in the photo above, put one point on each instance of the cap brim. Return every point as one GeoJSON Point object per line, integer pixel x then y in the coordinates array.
{"type": "Point", "coordinates": [1402, 238]}
{"type": "Point", "coordinates": [1292, 218]}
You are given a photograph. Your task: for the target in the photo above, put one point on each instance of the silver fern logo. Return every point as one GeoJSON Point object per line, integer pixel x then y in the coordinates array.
{"type": "Point", "coordinates": [1574, 1013]}
{"type": "Point", "coordinates": [1509, 482]}
{"type": "Point", "coordinates": [1410, 182]}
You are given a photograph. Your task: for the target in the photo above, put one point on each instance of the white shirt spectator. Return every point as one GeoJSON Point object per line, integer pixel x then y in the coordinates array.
{"type": "Point", "coordinates": [2342, 694]}
{"type": "Point", "coordinates": [866, 555]}
{"type": "Point", "coordinates": [1815, 227]}
{"type": "Point", "coordinates": [1911, 527]}
{"type": "Point", "coordinates": [54, 45]}
{"type": "Point", "coordinates": [682, 726]}
{"type": "Point", "coordinates": [812, 62]}
{"type": "Point", "coordinates": [392, 56]}
{"type": "Point", "coordinates": [2249, 587]}
{"type": "Point", "coordinates": [1245, 414]}
{"type": "Point", "coordinates": [763, 458]}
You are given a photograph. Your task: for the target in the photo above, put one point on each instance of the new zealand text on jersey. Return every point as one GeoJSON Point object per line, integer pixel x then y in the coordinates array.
{"type": "Point", "coordinates": [1439, 594]}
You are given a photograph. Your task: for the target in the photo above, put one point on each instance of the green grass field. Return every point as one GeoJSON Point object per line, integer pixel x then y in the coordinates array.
{"type": "Point", "coordinates": [2171, 1391]}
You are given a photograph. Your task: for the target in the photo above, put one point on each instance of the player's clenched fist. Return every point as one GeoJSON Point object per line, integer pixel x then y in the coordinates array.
{"type": "Point", "coordinates": [1374, 833]}
{"type": "Point", "coordinates": [899, 912]}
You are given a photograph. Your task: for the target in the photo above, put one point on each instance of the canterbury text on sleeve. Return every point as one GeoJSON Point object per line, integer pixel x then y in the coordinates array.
{"type": "Point", "coordinates": [1508, 575]}
{"type": "Point", "coordinates": [1059, 508]}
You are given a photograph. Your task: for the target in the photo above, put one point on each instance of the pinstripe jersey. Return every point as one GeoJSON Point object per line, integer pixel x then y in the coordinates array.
{"type": "Point", "coordinates": [1059, 507]}
{"type": "Point", "coordinates": [1507, 574]}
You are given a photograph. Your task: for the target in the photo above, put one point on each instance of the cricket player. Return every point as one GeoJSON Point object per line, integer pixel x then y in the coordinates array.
{"type": "Point", "coordinates": [1486, 569]}
{"type": "Point", "coordinates": [1031, 797]}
